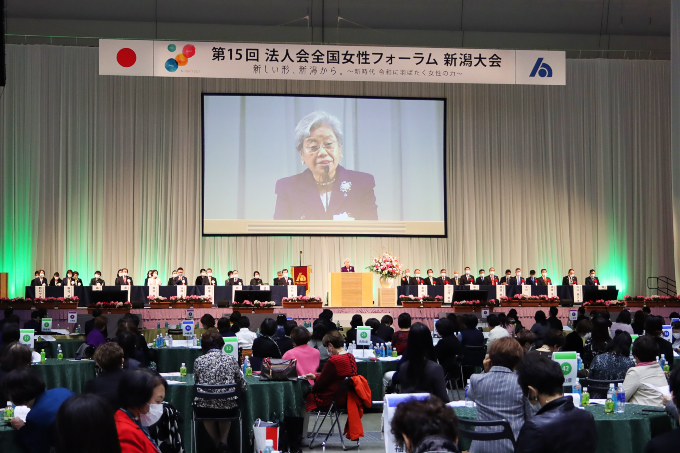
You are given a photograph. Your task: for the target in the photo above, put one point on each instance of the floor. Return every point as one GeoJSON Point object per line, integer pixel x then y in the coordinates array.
{"type": "Point", "coordinates": [371, 443]}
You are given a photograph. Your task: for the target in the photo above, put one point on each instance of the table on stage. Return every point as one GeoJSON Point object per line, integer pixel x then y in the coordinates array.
{"type": "Point", "coordinates": [616, 433]}
{"type": "Point", "coordinates": [563, 292]}
{"type": "Point", "coordinates": [140, 293]}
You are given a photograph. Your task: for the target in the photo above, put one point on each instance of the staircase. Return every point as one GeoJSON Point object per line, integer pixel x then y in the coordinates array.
{"type": "Point", "coordinates": [664, 286]}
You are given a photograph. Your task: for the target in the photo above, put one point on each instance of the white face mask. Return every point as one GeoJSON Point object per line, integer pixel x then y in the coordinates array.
{"type": "Point", "coordinates": [467, 271]}
{"type": "Point", "coordinates": [571, 275]}
{"type": "Point", "coordinates": [97, 276]}
{"type": "Point", "coordinates": [174, 275]}
{"type": "Point", "coordinates": [179, 274]}
{"type": "Point", "coordinates": [429, 274]}
{"type": "Point", "coordinates": [235, 276]}
{"type": "Point", "coordinates": [69, 275]}
{"type": "Point", "coordinates": [42, 275]}
{"type": "Point", "coordinates": [155, 275]}
{"type": "Point", "coordinates": [285, 275]}
{"type": "Point", "coordinates": [120, 274]}
{"type": "Point", "coordinates": [155, 413]}
{"type": "Point", "coordinates": [544, 274]}
{"type": "Point", "coordinates": [124, 274]}
{"type": "Point", "coordinates": [209, 274]}
{"type": "Point", "coordinates": [257, 276]}
{"type": "Point", "coordinates": [491, 273]}
{"type": "Point", "coordinates": [592, 275]}
{"type": "Point", "coordinates": [481, 275]}
{"type": "Point", "coordinates": [408, 274]}
{"type": "Point", "coordinates": [519, 274]}
{"type": "Point", "coordinates": [417, 275]}
{"type": "Point", "coordinates": [202, 274]}
{"type": "Point", "coordinates": [676, 336]}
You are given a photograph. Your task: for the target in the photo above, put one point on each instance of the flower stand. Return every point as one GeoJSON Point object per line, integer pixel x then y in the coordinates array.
{"type": "Point", "coordinates": [67, 305]}
{"type": "Point", "coordinates": [410, 303]}
{"type": "Point", "coordinates": [159, 305]}
{"type": "Point", "coordinates": [287, 304]}
{"type": "Point", "coordinates": [180, 304]}
{"type": "Point", "coordinates": [202, 304]}
{"type": "Point", "coordinates": [635, 303]}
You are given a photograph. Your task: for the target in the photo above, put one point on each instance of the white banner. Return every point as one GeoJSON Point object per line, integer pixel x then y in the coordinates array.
{"type": "Point", "coordinates": [474, 287]}
{"type": "Point", "coordinates": [552, 291]}
{"type": "Point", "coordinates": [578, 293]}
{"type": "Point", "coordinates": [526, 290]}
{"type": "Point", "coordinates": [448, 294]}
{"type": "Point", "coordinates": [422, 290]}
{"type": "Point", "coordinates": [126, 288]}
{"type": "Point", "coordinates": [39, 292]}
{"type": "Point", "coordinates": [500, 291]}
{"type": "Point", "coordinates": [72, 317]}
{"type": "Point", "coordinates": [264, 288]}
{"type": "Point", "coordinates": [68, 291]}
{"type": "Point", "coordinates": [154, 290]}
{"type": "Point", "coordinates": [601, 286]}
{"type": "Point", "coordinates": [181, 290]}
{"type": "Point", "coordinates": [292, 291]}
{"type": "Point", "coordinates": [210, 292]}
{"type": "Point", "coordinates": [235, 288]}
{"type": "Point", "coordinates": [330, 62]}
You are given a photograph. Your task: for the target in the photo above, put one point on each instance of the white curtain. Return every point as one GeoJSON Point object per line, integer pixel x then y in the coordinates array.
{"type": "Point", "coordinates": [99, 173]}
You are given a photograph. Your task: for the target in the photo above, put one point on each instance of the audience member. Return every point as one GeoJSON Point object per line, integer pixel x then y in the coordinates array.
{"type": "Point", "coordinates": [374, 324]}
{"type": "Point", "coordinates": [308, 358]}
{"type": "Point", "coordinates": [356, 321]}
{"type": "Point", "coordinates": [400, 337]}
{"type": "Point", "coordinates": [581, 316]}
{"type": "Point", "coordinates": [557, 427]}
{"type": "Point", "coordinates": [319, 331]}
{"type": "Point", "coordinates": [471, 336]}
{"type": "Point", "coordinates": [526, 339]}
{"type": "Point", "coordinates": [574, 341]}
{"type": "Point", "coordinates": [85, 424]}
{"type": "Point", "coordinates": [454, 320]}
{"type": "Point", "coordinates": [553, 320]}
{"type": "Point", "coordinates": [224, 327]}
{"type": "Point", "coordinates": [16, 356]}
{"type": "Point", "coordinates": [26, 388]}
{"type": "Point", "coordinates": [638, 323]}
{"type": "Point", "coordinates": [669, 441]}
{"type": "Point", "coordinates": [613, 364]}
{"type": "Point", "coordinates": [286, 343]}
{"type": "Point", "coordinates": [385, 331]}
{"type": "Point", "coordinates": [646, 371]}
{"type": "Point", "coordinates": [425, 426]}
{"type": "Point", "coordinates": [235, 318]}
{"type": "Point", "coordinates": [505, 323]}
{"type": "Point", "coordinates": [448, 348]}
{"type": "Point", "coordinates": [280, 327]}
{"type": "Point", "coordinates": [89, 324]}
{"type": "Point", "coordinates": [676, 336]}
{"type": "Point", "coordinates": [654, 329]}
{"type": "Point", "coordinates": [35, 322]}
{"type": "Point", "coordinates": [216, 368]}
{"type": "Point", "coordinates": [110, 359]}
{"type": "Point", "coordinates": [96, 336]}
{"type": "Point", "coordinates": [10, 334]}
{"type": "Point", "coordinates": [553, 340]}
{"type": "Point", "coordinates": [265, 346]}
{"type": "Point", "coordinates": [540, 327]}
{"type": "Point", "coordinates": [496, 331]}
{"type": "Point", "coordinates": [513, 318]}
{"type": "Point", "coordinates": [7, 314]}
{"type": "Point", "coordinates": [244, 335]}
{"type": "Point", "coordinates": [327, 316]}
{"type": "Point", "coordinates": [598, 341]}
{"type": "Point", "coordinates": [622, 323]}
{"type": "Point", "coordinates": [128, 342]}
{"type": "Point", "coordinates": [498, 395]}
{"type": "Point", "coordinates": [420, 372]}
{"type": "Point", "coordinates": [207, 321]}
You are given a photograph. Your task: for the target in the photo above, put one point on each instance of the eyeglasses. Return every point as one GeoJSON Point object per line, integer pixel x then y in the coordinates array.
{"type": "Point", "coordinates": [314, 148]}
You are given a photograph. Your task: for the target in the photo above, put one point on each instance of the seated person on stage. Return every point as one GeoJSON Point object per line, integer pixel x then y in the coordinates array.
{"type": "Point", "coordinates": [76, 279]}
{"type": "Point", "coordinates": [646, 371]}
{"type": "Point", "coordinates": [482, 279]}
{"type": "Point", "coordinates": [96, 336]}
{"type": "Point", "coordinates": [430, 280]}
{"type": "Point", "coordinates": [56, 281]}
{"type": "Point", "coordinates": [558, 426]}
{"type": "Point", "coordinates": [68, 281]}
{"type": "Point", "coordinates": [110, 358]}
{"type": "Point", "coordinates": [532, 280]}
{"type": "Point", "coordinates": [173, 278]}
{"type": "Point", "coordinates": [256, 280]}
{"type": "Point", "coordinates": [229, 274]}
{"type": "Point", "coordinates": [347, 267]}
{"type": "Point", "coordinates": [216, 368]}
{"type": "Point", "coordinates": [279, 276]}
{"type": "Point", "coordinates": [244, 334]}
{"type": "Point", "coordinates": [285, 280]}
{"type": "Point", "coordinates": [406, 278]}
{"type": "Point", "coordinates": [154, 280]}
{"type": "Point", "coordinates": [669, 441]}
{"type": "Point", "coordinates": [592, 279]}
{"type": "Point", "coordinates": [570, 279]}
{"type": "Point", "coordinates": [35, 323]}
{"type": "Point", "coordinates": [265, 346]}
{"type": "Point", "coordinates": [234, 280]}
{"type": "Point", "coordinates": [543, 280]}
{"type": "Point", "coordinates": [517, 279]}
{"type": "Point", "coordinates": [124, 278]}
{"type": "Point", "coordinates": [467, 279]}
{"type": "Point", "coordinates": [506, 279]}
{"type": "Point", "coordinates": [443, 279]}
{"type": "Point", "coordinates": [211, 280]}
{"type": "Point", "coordinates": [428, 425]}
{"type": "Point", "coordinates": [39, 279]}
{"type": "Point", "coordinates": [181, 279]}
{"type": "Point", "coordinates": [97, 280]}
{"type": "Point", "coordinates": [492, 277]}
{"type": "Point", "coordinates": [416, 279]}
{"type": "Point", "coordinates": [202, 279]}
{"type": "Point", "coordinates": [400, 337]}
{"type": "Point", "coordinates": [149, 273]}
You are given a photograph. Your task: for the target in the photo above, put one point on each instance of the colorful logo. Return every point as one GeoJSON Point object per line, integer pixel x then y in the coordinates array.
{"type": "Point", "coordinates": [126, 57]}
{"type": "Point", "coordinates": [188, 327]}
{"type": "Point", "coordinates": [566, 368]}
{"type": "Point", "coordinates": [181, 59]}
{"type": "Point", "coordinates": [228, 348]}
{"type": "Point", "coordinates": [364, 335]}
{"type": "Point", "coordinates": [47, 324]}
{"type": "Point", "coordinates": [27, 338]}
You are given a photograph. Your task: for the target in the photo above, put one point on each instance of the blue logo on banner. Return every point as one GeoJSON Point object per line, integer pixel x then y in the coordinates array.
{"type": "Point", "coordinates": [188, 328]}
{"type": "Point", "coordinates": [543, 69]}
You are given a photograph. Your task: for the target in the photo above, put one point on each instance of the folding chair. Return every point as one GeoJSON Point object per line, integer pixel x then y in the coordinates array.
{"type": "Point", "coordinates": [505, 433]}
{"type": "Point", "coordinates": [473, 357]}
{"type": "Point", "coordinates": [230, 392]}
{"type": "Point", "coordinates": [452, 381]}
{"type": "Point", "coordinates": [334, 411]}
{"type": "Point", "coordinates": [599, 388]}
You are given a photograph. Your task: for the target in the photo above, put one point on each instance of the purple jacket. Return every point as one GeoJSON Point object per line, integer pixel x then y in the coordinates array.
{"type": "Point", "coordinates": [344, 269]}
{"type": "Point", "coordinates": [297, 197]}
{"type": "Point", "coordinates": [95, 338]}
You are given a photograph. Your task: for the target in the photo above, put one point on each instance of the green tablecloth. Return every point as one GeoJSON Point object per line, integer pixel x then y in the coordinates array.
{"type": "Point", "coordinates": [68, 347]}
{"type": "Point", "coordinates": [150, 334]}
{"type": "Point", "coordinates": [616, 433]}
{"type": "Point", "coordinates": [169, 360]}
{"type": "Point", "coordinates": [66, 373]}
{"type": "Point", "coordinates": [373, 371]}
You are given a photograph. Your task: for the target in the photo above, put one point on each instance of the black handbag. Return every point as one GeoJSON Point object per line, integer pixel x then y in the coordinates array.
{"type": "Point", "coordinates": [278, 370]}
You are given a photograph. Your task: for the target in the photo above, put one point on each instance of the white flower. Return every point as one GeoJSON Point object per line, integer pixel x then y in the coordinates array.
{"type": "Point", "coordinates": [345, 186]}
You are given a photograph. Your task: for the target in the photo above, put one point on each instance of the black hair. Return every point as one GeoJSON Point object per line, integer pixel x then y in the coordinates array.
{"type": "Point", "coordinates": [326, 314]}
{"type": "Point", "coordinates": [289, 326]}
{"type": "Point", "coordinates": [132, 318]}
{"type": "Point", "coordinates": [512, 313]}
{"type": "Point", "coordinates": [503, 320]}
{"type": "Point", "coordinates": [418, 420]}
{"type": "Point", "coordinates": [470, 321]}
{"type": "Point", "coordinates": [281, 320]}
{"type": "Point", "coordinates": [128, 342]}
{"type": "Point", "coordinates": [235, 317]}
{"type": "Point", "coordinates": [493, 320]}
{"type": "Point", "coordinates": [553, 338]}
{"type": "Point", "coordinates": [268, 327]}
{"type": "Point", "coordinates": [541, 373]}
{"type": "Point", "coordinates": [445, 328]}
{"type": "Point", "coordinates": [645, 349]}
{"type": "Point", "coordinates": [8, 312]}
{"type": "Point", "coordinates": [532, 272]}
{"type": "Point", "coordinates": [136, 387]}
{"type": "Point", "coordinates": [35, 314]}
{"type": "Point", "coordinates": [84, 424]}
{"type": "Point", "coordinates": [223, 324]}
{"type": "Point", "coordinates": [207, 321]}
{"type": "Point", "coordinates": [674, 384]}
{"type": "Point", "coordinates": [404, 321]}
{"type": "Point", "coordinates": [387, 320]}
{"type": "Point", "coordinates": [374, 324]}
{"type": "Point", "coordinates": [244, 322]}
{"type": "Point", "coordinates": [540, 318]}
{"type": "Point", "coordinates": [10, 332]}
{"type": "Point", "coordinates": [581, 310]}
{"type": "Point", "coordinates": [600, 331]}
{"type": "Point", "coordinates": [356, 321]}
{"type": "Point", "coordinates": [620, 344]}
{"type": "Point", "coordinates": [97, 312]}
{"type": "Point", "coordinates": [319, 330]}
{"type": "Point", "coordinates": [605, 314]}
{"type": "Point", "coordinates": [654, 325]}
{"type": "Point", "coordinates": [553, 311]}
{"type": "Point", "coordinates": [594, 314]}
{"type": "Point", "coordinates": [211, 340]}
{"type": "Point", "coordinates": [623, 317]}
{"type": "Point", "coordinates": [421, 350]}
{"type": "Point", "coordinates": [646, 310]}
{"type": "Point", "coordinates": [23, 385]}
{"type": "Point", "coordinates": [639, 318]}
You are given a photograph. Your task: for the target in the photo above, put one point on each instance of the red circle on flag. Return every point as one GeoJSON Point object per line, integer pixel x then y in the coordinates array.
{"type": "Point", "coordinates": [126, 57]}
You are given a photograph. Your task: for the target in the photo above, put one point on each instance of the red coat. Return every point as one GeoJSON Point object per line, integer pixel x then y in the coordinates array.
{"type": "Point", "coordinates": [356, 400]}
{"type": "Point", "coordinates": [132, 438]}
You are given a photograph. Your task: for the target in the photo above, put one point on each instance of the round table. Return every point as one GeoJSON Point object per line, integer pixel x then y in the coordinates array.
{"type": "Point", "coordinates": [373, 371]}
{"type": "Point", "coordinates": [616, 433]}
{"type": "Point", "coordinates": [169, 360]}
{"type": "Point", "coordinates": [71, 374]}
{"type": "Point", "coordinates": [68, 347]}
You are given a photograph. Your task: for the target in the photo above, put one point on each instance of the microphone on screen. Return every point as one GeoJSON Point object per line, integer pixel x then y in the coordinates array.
{"type": "Point", "coordinates": [326, 168]}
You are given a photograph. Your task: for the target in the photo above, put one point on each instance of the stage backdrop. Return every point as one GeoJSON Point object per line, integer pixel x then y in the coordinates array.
{"type": "Point", "coordinates": [101, 172]}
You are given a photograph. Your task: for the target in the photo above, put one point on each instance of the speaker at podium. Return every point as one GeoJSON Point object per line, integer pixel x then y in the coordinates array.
{"type": "Point", "coordinates": [351, 289]}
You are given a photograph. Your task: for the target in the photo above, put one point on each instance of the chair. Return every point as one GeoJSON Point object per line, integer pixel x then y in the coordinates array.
{"type": "Point", "coordinates": [334, 410]}
{"type": "Point", "coordinates": [228, 391]}
{"type": "Point", "coordinates": [505, 433]}
{"type": "Point", "coordinates": [599, 387]}
{"type": "Point", "coordinates": [452, 381]}
{"type": "Point", "coordinates": [473, 357]}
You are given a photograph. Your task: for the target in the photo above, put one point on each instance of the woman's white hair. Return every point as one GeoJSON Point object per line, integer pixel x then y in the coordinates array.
{"type": "Point", "coordinates": [314, 120]}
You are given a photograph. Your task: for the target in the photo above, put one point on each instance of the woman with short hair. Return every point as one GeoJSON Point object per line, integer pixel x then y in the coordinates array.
{"type": "Point", "coordinates": [646, 371]}
{"type": "Point", "coordinates": [265, 346]}
{"type": "Point", "coordinates": [574, 341]}
{"type": "Point", "coordinates": [307, 357]}
{"type": "Point", "coordinates": [400, 337]}
{"type": "Point", "coordinates": [553, 340]}
{"type": "Point", "coordinates": [84, 424]}
{"type": "Point", "coordinates": [622, 323]}
{"type": "Point", "coordinates": [540, 327]}
{"type": "Point", "coordinates": [425, 426]}
{"type": "Point", "coordinates": [109, 358]}
{"type": "Point", "coordinates": [96, 336]}
{"type": "Point", "coordinates": [356, 321]}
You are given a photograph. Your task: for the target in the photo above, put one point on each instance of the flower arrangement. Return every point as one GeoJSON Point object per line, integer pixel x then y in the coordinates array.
{"type": "Point", "coordinates": [493, 303]}
{"type": "Point", "coordinates": [302, 299]}
{"type": "Point", "coordinates": [265, 304]}
{"type": "Point", "coordinates": [386, 266]}
{"type": "Point", "coordinates": [603, 303]}
{"type": "Point", "coordinates": [474, 303]}
{"type": "Point", "coordinates": [503, 298]}
{"type": "Point", "coordinates": [69, 300]}
{"type": "Point", "coordinates": [157, 299]}
{"type": "Point", "coordinates": [520, 297]}
{"type": "Point", "coordinates": [432, 299]}
{"type": "Point", "coordinates": [409, 298]}
{"type": "Point", "coordinates": [243, 304]}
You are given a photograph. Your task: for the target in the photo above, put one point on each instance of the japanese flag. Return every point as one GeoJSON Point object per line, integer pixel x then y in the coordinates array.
{"type": "Point", "coordinates": [125, 57]}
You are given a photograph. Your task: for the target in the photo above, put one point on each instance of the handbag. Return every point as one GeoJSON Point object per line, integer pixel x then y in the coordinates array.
{"type": "Point", "coordinates": [278, 370]}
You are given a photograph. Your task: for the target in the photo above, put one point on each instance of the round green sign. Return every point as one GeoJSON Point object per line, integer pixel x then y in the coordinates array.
{"type": "Point", "coordinates": [566, 368]}
{"type": "Point", "coordinates": [364, 335]}
{"type": "Point", "coordinates": [47, 324]}
{"type": "Point", "coordinates": [27, 338]}
{"type": "Point", "coordinates": [228, 348]}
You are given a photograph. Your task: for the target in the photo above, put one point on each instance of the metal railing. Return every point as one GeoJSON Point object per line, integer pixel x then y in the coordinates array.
{"type": "Point", "coordinates": [663, 285]}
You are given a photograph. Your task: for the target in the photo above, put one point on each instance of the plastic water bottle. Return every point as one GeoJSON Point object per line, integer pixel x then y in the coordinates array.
{"type": "Point", "coordinates": [350, 348]}
{"type": "Point", "coordinates": [662, 361]}
{"type": "Point", "coordinates": [166, 324]}
{"type": "Point", "coordinates": [247, 367]}
{"type": "Point", "coordinates": [269, 446]}
{"type": "Point", "coordinates": [159, 325]}
{"type": "Point", "coordinates": [585, 397]}
{"type": "Point", "coordinates": [577, 389]}
{"type": "Point", "coordinates": [9, 411]}
{"type": "Point", "coordinates": [468, 401]}
{"type": "Point", "coordinates": [42, 356]}
{"type": "Point", "coordinates": [382, 350]}
{"type": "Point", "coordinates": [183, 370]}
{"type": "Point", "coordinates": [620, 400]}
{"type": "Point", "coordinates": [609, 405]}
{"type": "Point", "coordinates": [579, 362]}
{"type": "Point", "coordinates": [388, 353]}
{"type": "Point", "coordinates": [60, 354]}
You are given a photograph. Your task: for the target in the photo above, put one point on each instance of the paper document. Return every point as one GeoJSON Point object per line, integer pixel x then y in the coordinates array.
{"type": "Point", "coordinates": [175, 382]}
{"type": "Point", "coordinates": [664, 390]}
{"type": "Point", "coordinates": [177, 374]}
{"type": "Point", "coordinates": [21, 412]}
{"type": "Point", "coordinates": [47, 337]}
{"type": "Point", "coordinates": [458, 404]}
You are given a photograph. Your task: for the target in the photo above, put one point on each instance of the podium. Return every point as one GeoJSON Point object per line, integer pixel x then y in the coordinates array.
{"type": "Point", "coordinates": [4, 285]}
{"type": "Point", "coordinates": [351, 289]}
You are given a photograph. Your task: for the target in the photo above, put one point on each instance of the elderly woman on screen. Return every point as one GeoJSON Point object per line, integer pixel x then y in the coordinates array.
{"type": "Point", "coordinates": [325, 190]}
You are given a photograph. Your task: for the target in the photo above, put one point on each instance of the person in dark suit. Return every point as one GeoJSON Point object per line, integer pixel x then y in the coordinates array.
{"type": "Point", "coordinates": [430, 280]}
{"type": "Point", "coordinates": [325, 190]}
{"type": "Point", "coordinates": [592, 280]}
{"type": "Point", "coordinates": [543, 280]}
{"type": "Point", "coordinates": [68, 281]}
{"type": "Point", "coordinates": [181, 279]}
{"type": "Point", "coordinates": [202, 279]}
{"type": "Point", "coordinates": [172, 279]}
{"type": "Point", "coordinates": [211, 280]}
{"type": "Point", "coordinates": [506, 280]}
{"type": "Point", "coordinates": [35, 323]}
{"type": "Point", "coordinates": [385, 329]}
{"type": "Point", "coordinates": [56, 281]}
{"type": "Point", "coordinates": [123, 278]}
{"type": "Point", "coordinates": [97, 279]}
{"type": "Point", "coordinates": [416, 279]}
{"type": "Point", "coordinates": [256, 280]}
{"type": "Point", "coordinates": [570, 279]}
{"type": "Point", "coordinates": [493, 279]}
{"type": "Point", "coordinates": [532, 280]}
{"type": "Point", "coordinates": [456, 280]}
{"type": "Point", "coordinates": [110, 358]}
{"type": "Point", "coordinates": [443, 279]}
{"type": "Point", "coordinates": [517, 279]}
{"type": "Point", "coordinates": [149, 273]}
{"type": "Point", "coordinates": [467, 278]}
{"type": "Point", "coordinates": [234, 280]}
{"type": "Point", "coordinates": [347, 267]}
{"type": "Point", "coordinates": [284, 280]}
{"type": "Point", "coordinates": [482, 279]}
{"type": "Point", "coordinates": [39, 279]}
{"type": "Point", "coordinates": [406, 278]}
{"type": "Point", "coordinates": [76, 279]}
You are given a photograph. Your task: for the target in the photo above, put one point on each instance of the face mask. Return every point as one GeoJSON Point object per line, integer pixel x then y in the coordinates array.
{"type": "Point", "coordinates": [235, 276]}
{"type": "Point", "coordinates": [203, 274]}
{"type": "Point", "coordinates": [592, 275]}
{"type": "Point", "coordinates": [155, 413]}
{"type": "Point", "coordinates": [417, 275]}
{"type": "Point", "coordinates": [174, 275]}
{"type": "Point", "coordinates": [179, 274]}
{"type": "Point", "coordinates": [571, 275]}
{"type": "Point", "coordinates": [97, 275]}
{"type": "Point", "coordinates": [467, 272]}
{"type": "Point", "coordinates": [42, 275]}
{"type": "Point", "coordinates": [676, 336]}
{"type": "Point", "coordinates": [491, 273]}
{"type": "Point", "coordinates": [429, 274]}
{"type": "Point", "coordinates": [124, 274]}
{"type": "Point", "coordinates": [155, 275]}
{"type": "Point", "coordinates": [408, 274]}
{"type": "Point", "coordinates": [209, 274]}
{"type": "Point", "coordinates": [285, 275]}
{"type": "Point", "coordinates": [519, 274]}
{"type": "Point", "coordinates": [69, 276]}
{"type": "Point", "coordinates": [257, 276]}
{"type": "Point", "coordinates": [120, 274]}
{"type": "Point", "coordinates": [588, 335]}
{"type": "Point", "coordinates": [481, 275]}
{"type": "Point", "coordinates": [544, 274]}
